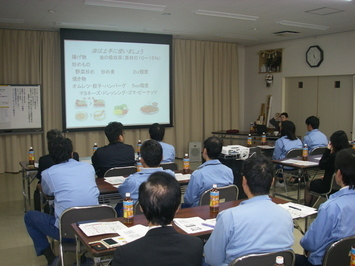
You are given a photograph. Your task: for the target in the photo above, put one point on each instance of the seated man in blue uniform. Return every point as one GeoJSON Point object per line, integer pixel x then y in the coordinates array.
{"type": "Point", "coordinates": [257, 225]}
{"type": "Point", "coordinates": [72, 184]}
{"type": "Point", "coordinates": [159, 198]}
{"type": "Point", "coordinates": [209, 173]}
{"type": "Point", "coordinates": [152, 154]}
{"type": "Point", "coordinates": [335, 218]}
{"type": "Point", "coordinates": [314, 138]}
{"type": "Point", "coordinates": [115, 154]}
{"type": "Point", "coordinates": [157, 132]}
{"type": "Point", "coordinates": [45, 162]}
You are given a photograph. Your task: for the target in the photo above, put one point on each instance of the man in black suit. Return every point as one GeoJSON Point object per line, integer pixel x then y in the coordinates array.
{"type": "Point", "coordinates": [159, 198]}
{"type": "Point", "coordinates": [115, 154]}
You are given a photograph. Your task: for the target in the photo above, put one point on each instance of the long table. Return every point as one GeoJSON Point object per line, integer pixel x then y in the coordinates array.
{"type": "Point", "coordinates": [200, 211]}
{"type": "Point", "coordinates": [29, 173]}
{"type": "Point", "coordinates": [301, 169]}
{"type": "Point", "coordinates": [242, 135]}
{"type": "Point", "coordinates": [110, 194]}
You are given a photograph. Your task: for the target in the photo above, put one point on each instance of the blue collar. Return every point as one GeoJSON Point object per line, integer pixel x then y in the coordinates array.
{"type": "Point", "coordinates": [255, 198]}
{"type": "Point", "coordinates": [210, 162]}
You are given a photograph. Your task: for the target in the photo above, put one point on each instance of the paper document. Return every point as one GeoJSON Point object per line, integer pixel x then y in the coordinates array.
{"type": "Point", "coordinates": [306, 163]}
{"type": "Point", "coordinates": [210, 222]}
{"type": "Point", "coordinates": [298, 210]}
{"type": "Point", "coordinates": [299, 162]}
{"type": "Point", "coordinates": [134, 232]}
{"type": "Point", "coordinates": [266, 147]}
{"type": "Point", "coordinates": [317, 157]}
{"type": "Point", "coordinates": [101, 228]}
{"type": "Point", "coordinates": [181, 177]}
{"type": "Point", "coordinates": [115, 180]}
{"type": "Point", "coordinates": [193, 225]}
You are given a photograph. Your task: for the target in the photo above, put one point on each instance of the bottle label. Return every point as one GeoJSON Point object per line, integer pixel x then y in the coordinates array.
{"type": "Point", "coordinates": [128, 209]}
{"type": "Point", "coordinates": [94, 149]}
{"type": "Point", "coordinates": [139, 167]}
{"type": "Point", "coordinates": [263, 138]}
{"type": "Point", "coordinates": [305, 152]}
{"type": "Point", "coordinates": [186, 163]}
{"type": "Point", "coordinates": [31, 155]}
{"type": "Point", "coordinates": [139, 147]}
{"type": "Point", "coordinates": [352, 256]}
{"type": "Point", "coordinates": [214, 199]}
{"type": "Point", "coordinates": [249, 141]}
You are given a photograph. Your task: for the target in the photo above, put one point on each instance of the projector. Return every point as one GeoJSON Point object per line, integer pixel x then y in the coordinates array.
{"type": "Point", "coordinates": [239, 151]}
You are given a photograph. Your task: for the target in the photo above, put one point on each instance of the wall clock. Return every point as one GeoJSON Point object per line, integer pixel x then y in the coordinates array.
{"type": "Point", "coordinates": [314, 56]}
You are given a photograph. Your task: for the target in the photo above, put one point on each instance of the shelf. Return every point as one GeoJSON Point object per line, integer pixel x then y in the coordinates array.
{"type": "Point", "coordinates": [270, 61]}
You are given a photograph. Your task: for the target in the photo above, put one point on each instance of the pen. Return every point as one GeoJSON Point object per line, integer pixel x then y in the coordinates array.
{"type": "Point", "coordinates": [298, 209]}
{"type": "Point", "coordinates": [208, 225]}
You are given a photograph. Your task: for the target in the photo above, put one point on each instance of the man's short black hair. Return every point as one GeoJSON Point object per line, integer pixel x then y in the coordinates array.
{"type": "Point", "coordinates": [313, 121]}
{"type": "Point", "coordinates": [160, 198]}
{"type": "Point", "coordinates": [53, 133]}
{"type": "Point", "coordinates": [113, 130]}
{"type": "Point", "coordinates": [157, 132]}
{"type": "Point", "coordinates": [213, 146]}
{"type": "Point", "coordinates": [285, 114]}
{"type": "Point", "coordinates": [345, 162]}
{"type": "Point", "coordinates": [152, 152]}
{"type": "Point", "coordinates": [60, 149]}
{"type": "Point", "coordinates": [259, 173]}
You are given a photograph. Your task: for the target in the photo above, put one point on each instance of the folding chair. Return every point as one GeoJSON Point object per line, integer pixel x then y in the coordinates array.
{"type": "Point", "coordinates": [265, 259]}
{"type": "Point", "coordinates": [338, 252]}
{"type": "Point", "coordinates": [137, 209]}
{"type": "Point", "coordinates": [120, 171]}
{"type": "Point", "coordinates": [227, 193]}
{"type": "Point", "coordinates": [171, 166]}
{"type": "Point", "coordinates": [324, 194]}
{"type": "Point", "coordinates": [291, 172]}
{"type": "Point", "coordinates": [316, 151]}
{"type": "Point", "coordinates": [78, 214]}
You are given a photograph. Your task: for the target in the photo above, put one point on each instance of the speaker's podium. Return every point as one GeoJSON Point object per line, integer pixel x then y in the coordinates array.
{"type": "Point", "coordinates": [233, 156]}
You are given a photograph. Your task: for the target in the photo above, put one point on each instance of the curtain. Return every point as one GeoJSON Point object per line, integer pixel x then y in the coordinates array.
{"type": "Point", "coordinates": [205, 93]}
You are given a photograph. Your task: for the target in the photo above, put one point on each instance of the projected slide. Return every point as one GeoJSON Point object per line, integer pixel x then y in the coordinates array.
{"type": "Point", "coordinates": [116, 81]}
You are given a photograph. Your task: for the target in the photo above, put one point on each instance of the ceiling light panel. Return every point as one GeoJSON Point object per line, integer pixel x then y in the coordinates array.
{"type": "Point", "coordinates": [302, 25]}
{"type": "Point", "coordinates": [10, 20]}
{"type": "Point", "coordinates": [122, 4]}
{"type": "Point", "coordinates": [82, 25]}
{"type": "Point", "coordinates": [324, 11]}
{"type": "Point", "coordinates": [225, 15]}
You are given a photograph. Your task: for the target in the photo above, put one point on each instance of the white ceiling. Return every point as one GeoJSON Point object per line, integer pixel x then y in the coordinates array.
{"type": "Point", "coordinates": [179, 19]}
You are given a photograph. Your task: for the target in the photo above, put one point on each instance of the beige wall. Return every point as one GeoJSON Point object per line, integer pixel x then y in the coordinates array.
{"type": "Point", "coordinates": [339, 59]}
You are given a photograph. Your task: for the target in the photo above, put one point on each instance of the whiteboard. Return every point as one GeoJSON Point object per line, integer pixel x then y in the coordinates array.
{"type": "Point", "coordinates": [20, 108]}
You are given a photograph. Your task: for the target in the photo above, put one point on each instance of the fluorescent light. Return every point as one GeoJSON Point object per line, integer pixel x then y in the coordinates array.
{"type": "Point", "coordinates": [81, 25]}
{"type": "Point", "coordinates": [225, 15]}
{"type": "Point", "coordinates": [11, 20]}
{"type": "Point", "coordinates": [122, 4]}
{"type": "Point", "coordinates": [302, 25]}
